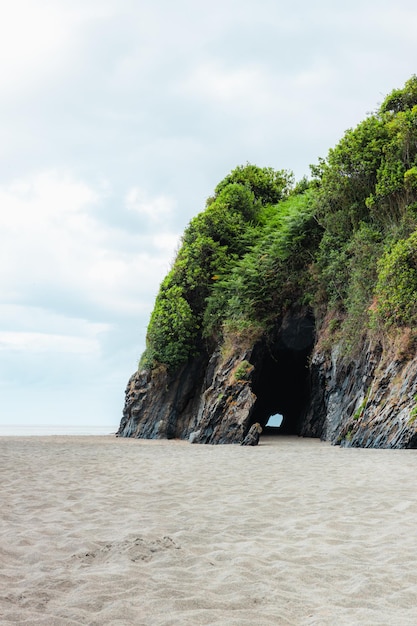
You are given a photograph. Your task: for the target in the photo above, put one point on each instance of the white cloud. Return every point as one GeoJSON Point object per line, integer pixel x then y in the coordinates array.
{"type": "Point", "coordinates": [71, 283]}
{"type": "Point", "coordinates": [222, 85]}
{"type": "Point", "coordinates": [77, 285]}
{"type": "Point", "coordinates": [316, 76]}
{"type": "Point", "coordinates": [44, 342]}
{"type": "Point", "coordinates": [165, 242]}
{"type": "Point", "coordinates": [31, 39]}
{"type": "Point", "coordinates": [41, 39]}
{"type": "Point", "coordinates": [54, 239]}
{"type": "Point", "coordinates": [156, 209]}
{"type": "Point", "coordinates": [39, 330]}
{"type": "Point", "coordinates": [26, 318]}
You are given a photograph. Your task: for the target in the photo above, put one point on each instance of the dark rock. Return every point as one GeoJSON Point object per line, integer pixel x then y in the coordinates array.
{"type": "Point", "coordinates": [217, 398]}
{"type": "Point", "coordinates": [366, 401]}
{"type": "Point", "coordinates": [252, 438]}
{"type": "Point", "coordinates": [194, 436]}
{"type": "Point", "coordinates": [159, 405]}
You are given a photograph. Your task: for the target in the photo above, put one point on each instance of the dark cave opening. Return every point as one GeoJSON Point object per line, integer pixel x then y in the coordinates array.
{"type": "Point", "coordinates": [281, 379]}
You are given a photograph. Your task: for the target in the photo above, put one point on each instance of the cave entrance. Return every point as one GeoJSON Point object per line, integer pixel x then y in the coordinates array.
{"type": "Point", "coordinates": [281, 382]}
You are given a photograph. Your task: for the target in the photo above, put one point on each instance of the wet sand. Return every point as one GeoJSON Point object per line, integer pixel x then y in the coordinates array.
{"type": "Point", "coordinates": [105, 531]}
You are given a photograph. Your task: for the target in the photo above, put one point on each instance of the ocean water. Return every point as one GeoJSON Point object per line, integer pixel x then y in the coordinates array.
{"type": "Point", "coordinates": [10, 430]}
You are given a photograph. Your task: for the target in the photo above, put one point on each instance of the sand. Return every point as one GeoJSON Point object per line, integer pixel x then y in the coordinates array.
{"type": "Point", "coordinates": [99, 530]}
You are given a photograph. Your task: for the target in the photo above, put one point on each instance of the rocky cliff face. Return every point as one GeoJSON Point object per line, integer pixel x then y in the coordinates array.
{"type": "Point", "coordinates": [160, 405]}
{"type": "Point", "coordinates": [370, 401]}
{"type": "Point", "coordinates": [367, 402]}
{"type": "Point", "coordinates": [203, 402]}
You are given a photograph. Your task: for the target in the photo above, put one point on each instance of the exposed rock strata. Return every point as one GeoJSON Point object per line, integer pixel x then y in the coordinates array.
{"type": "Point", "coordinates": [161, 406]}
{"type": "Point", "coordinates": [369, 401]}
{"type": "Point", "coordinates": [203, 401]}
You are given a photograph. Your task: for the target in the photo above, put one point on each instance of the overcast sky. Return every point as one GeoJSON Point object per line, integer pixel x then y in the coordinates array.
{"type": "Point", "coordinates": [118, 118]}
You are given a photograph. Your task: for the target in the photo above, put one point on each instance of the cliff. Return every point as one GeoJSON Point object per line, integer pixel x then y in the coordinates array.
{"type": "Point", "coordinates": [369, 401]}
{"type": "Point", "coordinates": [298, 299]}
{"type": "Point", "coordinates": [366, 402]}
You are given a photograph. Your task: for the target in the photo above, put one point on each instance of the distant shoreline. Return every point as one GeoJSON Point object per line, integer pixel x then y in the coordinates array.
{"type": "Point", "coordinates": [50, 430]}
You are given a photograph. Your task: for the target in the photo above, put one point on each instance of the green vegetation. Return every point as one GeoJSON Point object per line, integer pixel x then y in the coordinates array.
{"type": "Point", "coordinates": [413, 413]}
{"type": "Point", "coordinates": [243, 370]}
{"type": "Point", "coordinates": [361, 409]}
{"type": "Point", "coordinates": [396, 289]}
{"type": "Point", "coordinates": [344, 243]}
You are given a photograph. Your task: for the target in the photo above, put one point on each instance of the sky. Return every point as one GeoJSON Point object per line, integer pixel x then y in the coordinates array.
{"type": "Point", "coordinates": [117, 120]}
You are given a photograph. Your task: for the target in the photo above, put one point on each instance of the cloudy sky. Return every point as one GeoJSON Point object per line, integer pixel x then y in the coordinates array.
{"type": "Point", "coordinates": [118, 118]}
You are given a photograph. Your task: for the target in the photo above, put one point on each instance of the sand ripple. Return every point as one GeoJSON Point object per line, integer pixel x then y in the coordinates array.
{"type": "Point", "coordinates": [104, 531]}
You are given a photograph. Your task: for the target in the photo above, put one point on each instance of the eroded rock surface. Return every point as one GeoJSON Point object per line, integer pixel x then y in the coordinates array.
{"type": "Point", "coordinates": [205, 402]}
{"type": "Point", "coordinates": [163, 406]}
{"type": "Point", "coordinates": [366, 401]}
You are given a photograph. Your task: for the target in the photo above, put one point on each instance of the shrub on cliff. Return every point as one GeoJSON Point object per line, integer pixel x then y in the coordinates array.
{"type": "Point", "coordinates": [211, 246]}
{"type": "Point", "coordinates": [273, 274]}
{"type": "Point", "coordinates": [396, 288]}
{"type": "Point", "coordinates": [344, 242]}
{"type": "Point", "coordinates": [173, 328]}
{"type": "Point", "coordinates": [366, 200]}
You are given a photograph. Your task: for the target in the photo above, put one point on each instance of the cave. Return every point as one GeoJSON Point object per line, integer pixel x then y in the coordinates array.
{"type": "Point", "coordinates": [281, 379]}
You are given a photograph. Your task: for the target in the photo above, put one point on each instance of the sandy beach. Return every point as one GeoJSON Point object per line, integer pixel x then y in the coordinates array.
{"type": "Point", "coordinates": [99, 530]}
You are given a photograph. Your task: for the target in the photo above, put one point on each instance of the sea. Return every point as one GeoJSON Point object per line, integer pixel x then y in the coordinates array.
{"type": "Point", "coordinates": [29, 430]}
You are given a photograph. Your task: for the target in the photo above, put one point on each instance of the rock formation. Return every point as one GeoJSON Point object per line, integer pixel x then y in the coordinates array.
{"type": "Point", "coordinates": [252, 438]}
{"type": "Point", "coordinates": [345, 242]}
{"type": "Point", "coordinates": [368, 401]}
